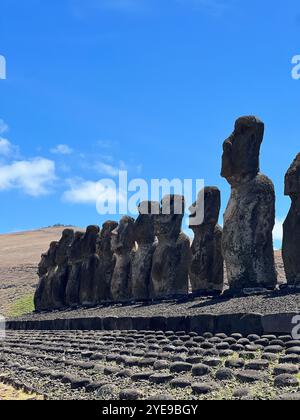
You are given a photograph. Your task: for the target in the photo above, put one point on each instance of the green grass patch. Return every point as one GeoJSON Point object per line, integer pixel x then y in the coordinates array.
{"type": "Point", "coordinates": [21, 306]}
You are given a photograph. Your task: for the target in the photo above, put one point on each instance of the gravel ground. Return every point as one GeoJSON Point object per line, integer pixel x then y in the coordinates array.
{"type": "Point", "coordinates": [131, 365]}
{"type": "Point", "coordinates": [268, 303]}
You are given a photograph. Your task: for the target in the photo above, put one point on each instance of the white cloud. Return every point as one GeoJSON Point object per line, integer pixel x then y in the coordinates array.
{"type": "Point", "coordinates": [3, 127]}
{"type": "Point", "coordinates": [104, 168]}
{"type": "Point", "coordinates": [278, 232]}
{"type": "Point", "coordinates": [62, 149]}
{"type": "Point", "coordinates": [6, 148]}
{"type": "Point", "coordinates": [33, 177]}
{"type": "Point", "coordinates": [89, 192]}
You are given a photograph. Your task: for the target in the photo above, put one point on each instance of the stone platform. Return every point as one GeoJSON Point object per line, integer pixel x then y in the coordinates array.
{"type": "Point", "coordinates": [269, 313]}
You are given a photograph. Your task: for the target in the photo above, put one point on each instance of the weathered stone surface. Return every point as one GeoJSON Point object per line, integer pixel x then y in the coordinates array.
{"type": "Point", "coordinates": [107, 261]}
{"type": "Point", "coordinates": [224, 374]}
{"type": "Point", "coordinates": [204, 388]}
{"type": "Point", "coordinates": [75, 262]}
{"type": "Point", "coordinates": [207, 266]}
{"type": "Point", "coordinates": [250, 215]}
{"type": "Point", "coordinates": [179, 367]}
{"type": "Point", "coordinates": [42, 297]}
{"type": "Point", "coordinates": [286, 380]}
{"type": "Point", "coordinates": [161, 378]}
{"type": "Point", "coordinates": [129, 394]}
{"type": "Point", "coordinates": [250, 376]}
{"type": "Point", "coordinates": [142, 262]}
{"type": "Point", "coordinates": [286, 368]}
{"type": "Point", "coordinates": [90, 267]}
{"type": "Point", "coordinates": [200, 370]}
{"type": "Point", "coordinates": [122, 243]}
{"type": "Point", "coordinates": [234, 363]}
{"type": "Point", "coordinates": [171, 259]}
{"type": "Point", "coordinates": [58, 276]}
{"type": "Point", "coordinates": [291, 226]}
{"type": "Point", "coordinates": [257, 365]}
{"type": "Point", "coordinates": [180, 383]}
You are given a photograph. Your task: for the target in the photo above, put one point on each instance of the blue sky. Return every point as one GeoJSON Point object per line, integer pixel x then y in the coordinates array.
{"type": "Point", "coordinates": [150, 86]}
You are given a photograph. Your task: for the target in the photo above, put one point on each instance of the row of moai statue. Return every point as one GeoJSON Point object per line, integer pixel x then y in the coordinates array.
{"type": "Point", "coordinates": [150, 258]}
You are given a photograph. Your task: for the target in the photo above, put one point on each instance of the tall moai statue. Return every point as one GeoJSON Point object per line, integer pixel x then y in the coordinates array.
{"type": "Point", "coordinates": [89, 267]}
{"type": "Point", "coordinates": [172, 257]}
{"type": "Point", "coordinates": [207, 266]}
{"type": "Point", "coordinates": [107, 262]}
{"type": "Point", "coordinates": [75, 257]}
{"type": "Point", "coordinates": [122, 243]}
{"type": "Point", "coordinates": [59, 277]}
{"type": "Point", "coordinates": [249, 219]}
{"type": "Point", "coordinates": [142, 262]}
{"type": "Point", "coordinates": [43, 294]}
{"type": "Point", "coordinates": [291, 226]}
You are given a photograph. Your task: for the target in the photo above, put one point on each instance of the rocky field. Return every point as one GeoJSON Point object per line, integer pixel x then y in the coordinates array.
{"type": "Point", "coordinates": [130, 365]}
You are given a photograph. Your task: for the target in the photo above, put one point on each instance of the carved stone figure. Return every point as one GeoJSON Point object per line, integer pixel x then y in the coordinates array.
{"type": "Point", "coordinates": [75, 257]}
{"type": "Point", "coordinates": [43, 294]}
{"type": "Point", "coordinates": [142, 262]}
{"type": "Point", "coordinates": [107, 262]}
{"type": "Point", "coordinates": [291, 226]}
{"type": "Point", "coordinates": [59, 276]}
{"type": "Point", "coordinates": [122, 244]}
{"type": "Point", "coordinates": [89, 273]}
{"type": "Point", "coordinates": [172, 257]}
{"type": "Point", "coordinates": [207, 266]}
{"type": "Point", "coordinates": [249, 219]}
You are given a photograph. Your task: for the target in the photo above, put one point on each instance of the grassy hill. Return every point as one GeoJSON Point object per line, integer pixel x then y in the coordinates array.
{"type": "Point", "coordinates": [19, 256]}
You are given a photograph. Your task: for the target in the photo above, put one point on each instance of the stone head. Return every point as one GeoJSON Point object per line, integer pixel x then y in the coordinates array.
{"type": "Point", "coordinates": [105, 236]}
{"type": "Point", "coordinates": [123, 236]}
{"type": "Point", "coordinates": [48, 259]}
{"type": "Point", "coordinates": [90, 239]}
{"type": "Point", "coordinates": [292, 179]}
{"type": "Point", "coordinates": [63, 245]}
{"type": "Point", "coordinates": [240, 158]}
{"type": "Point", "coordinates": [168, 223]}
{"type": "Point", "coordinates": [107, 229]}
{"type": "Point", "coordinates": [209, 201]}
{"type": "Point", "coordinates": [75, 249]}
{"type": "Point", "coordinates": [144, 224]}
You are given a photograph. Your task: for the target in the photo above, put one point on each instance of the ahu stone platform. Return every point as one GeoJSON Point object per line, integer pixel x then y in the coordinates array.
{"type": "Point", "coordinates": [270, 313]}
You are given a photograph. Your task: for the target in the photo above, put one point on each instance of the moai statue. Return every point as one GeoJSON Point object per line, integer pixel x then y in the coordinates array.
{"type": "Point", "coordinates": [172, 257]}
{"type": "Point", "coordinates": [89, 268]}
{"type": "Point", "coordinates": [291, 226]}
{"type": "Point", "coordinates": [43, 294]}
{"type": "Point", "coordinates": [207, 266]}
{"type": "Point", "coordinates": [107, 262]}
{"type": "Point", "coordinates": [122, 243]}
{"type": "Point", "coordinates": [142, 263]}
{"type": "Point", "coordinates": [75, 257]}
{"type": "Point", "coordinates": [249, 219]}
{"type": "Point", "coordinates": [59, 277]}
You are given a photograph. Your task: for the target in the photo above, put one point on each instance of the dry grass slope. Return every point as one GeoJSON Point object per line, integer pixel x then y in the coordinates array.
{"type": "Point", "coordinates": [19, 256]}
{"type": "Point", "coordinates": [8, 393]}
